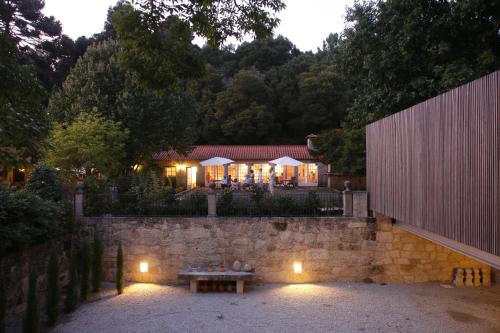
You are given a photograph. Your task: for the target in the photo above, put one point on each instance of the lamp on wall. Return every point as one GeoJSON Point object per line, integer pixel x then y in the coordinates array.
{"type": "Point", "coordinates": [143, 267]}
{"type": "Point", "coordinates": [297, 267]}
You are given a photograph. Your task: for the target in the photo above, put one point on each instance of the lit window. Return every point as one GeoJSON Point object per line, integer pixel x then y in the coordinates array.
{"type": "Point", "coordinates": [308, 173]}
{"type": "Point", "coordinates": [170, 171]}
{"type": "Point", "coordinates": [238, 171]}
{"type": "Point", "coordinates": [213, 173]}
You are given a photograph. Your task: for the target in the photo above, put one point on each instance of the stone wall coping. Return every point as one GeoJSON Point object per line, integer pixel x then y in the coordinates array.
{"type": "Point", "coordinates": [270, 219]}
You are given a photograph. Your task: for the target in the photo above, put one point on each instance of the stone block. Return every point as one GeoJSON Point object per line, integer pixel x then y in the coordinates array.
{"type": "Point", "coordinates": [317, 254]}
{"type": "Point", "coordinates": [384, 236]}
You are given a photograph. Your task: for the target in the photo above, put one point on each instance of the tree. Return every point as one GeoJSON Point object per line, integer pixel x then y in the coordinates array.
{"type": "Point", "coordinates": [3, 298]}
{"type": "Point", "coordinates": [97, 263]}
{"type": "Point", "coordinates": [72, 290]}
{"type": "Point", "coordinates": [24, 121]}
{"type": "Point", "coordinates": [45, 182]}
{"type": "Point", "coordinates": [30, 323]}
{"type": "Point", "coordinates": [91, 143]}
{"type": "Point", "coordinates": [53, 290]}
{"type": "Point", "coordinates": [158, 58]}
{"type": "Point", "coordinates": [98, 85]}
{"type": "Point", "coordinates": [119, 270]}
{"type": "Point", "coordinates": [85, 263]}
{"type": "Point", "coordinates": [24, 21]}
{"type": "Point", "coordinates": [243, 110]}
{"type": "Point", "coordinates": [153, 20]}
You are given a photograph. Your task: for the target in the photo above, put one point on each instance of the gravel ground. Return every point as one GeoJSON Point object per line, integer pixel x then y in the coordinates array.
{"type": "Point", "coordinates": [323, 307]}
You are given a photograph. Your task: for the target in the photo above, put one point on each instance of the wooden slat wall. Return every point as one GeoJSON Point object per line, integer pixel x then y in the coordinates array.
{"type": "Point", "coordinates": [436, 165]}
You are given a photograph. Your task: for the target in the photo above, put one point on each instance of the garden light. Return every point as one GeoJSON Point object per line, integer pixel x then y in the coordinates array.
{"type": "Point", "coordinates": [297, 267]}
{"type": "Point", "coordinates": [143, 267]}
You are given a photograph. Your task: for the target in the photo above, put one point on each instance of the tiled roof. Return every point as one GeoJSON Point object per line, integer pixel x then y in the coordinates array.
{"type": "Point", "coordinates": [240, 153]}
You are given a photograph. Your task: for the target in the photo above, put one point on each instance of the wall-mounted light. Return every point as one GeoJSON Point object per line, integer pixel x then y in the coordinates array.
{"type": "Point", "coordinates": [143, 267]}
{"type": "Point", "coordinates": [180, 166]}
{"type": "Point", "coordinates": [297, 267]}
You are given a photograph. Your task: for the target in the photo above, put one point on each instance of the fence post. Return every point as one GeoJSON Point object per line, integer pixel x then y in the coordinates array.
{"type": "Point", "coordinates": [212, 204]}
{"type": "Point", "coordinates": [78, 204]}
{"type": "Point", "coordinates": [347, 199]}
{"type": "Point", "coordinates": [360, 204]}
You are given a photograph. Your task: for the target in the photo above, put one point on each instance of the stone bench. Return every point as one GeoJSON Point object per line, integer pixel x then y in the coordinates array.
{"type": "Point", "coordinates": [194, 277]}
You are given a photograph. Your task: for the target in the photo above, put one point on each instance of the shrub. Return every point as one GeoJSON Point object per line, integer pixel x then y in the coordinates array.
{"type": "Point", "coordinates": [224, 203]}
{"type": "Point", "coordinates": [97, 263]}
{"type": "Point", "coordinates": [284, 205]}
{"type": "Point", "coordinates": [312, 202]}
{"type": "Point", "coordinates": [97, 197]}
{"type": "Point", "coordinates": [46, 183]}
{"type": "Point", "coordinates": [3, 298]}
{"type": "Point", "coordinates": [119, 269]}
{"type": "Point", "coordinates": [30, 324]}
{"type": "Point", "coordinates": [85, 257]}
{"type": "Point", "coordinates": [257, 193]}
{"type": "Point", "coordinates": [53, 292]}
{"type": "Point", "coordinates": [72, 289]}
{"type": "Point", "coordinates": [26, 219]}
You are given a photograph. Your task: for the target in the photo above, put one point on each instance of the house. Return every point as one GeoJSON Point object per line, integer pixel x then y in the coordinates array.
{"type": "Point", "coordinates": [187, 171]}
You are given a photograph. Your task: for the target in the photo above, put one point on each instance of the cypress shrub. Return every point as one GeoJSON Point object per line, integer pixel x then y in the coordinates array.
{"type": "Point", "coordinates": [53, 291]}
{"type": "Point", "coordinates": [72, 290]}
{"type": "Point", "coordinates": [86, 256]}
{"type": "Point", "coordinates": [97, 263]}
{"type": "Point", "coordinates": [119, 269]}
{"type": "Point", "coordinates": [30, 324]}
{"type": "Point", "coordinates": [3, 299]}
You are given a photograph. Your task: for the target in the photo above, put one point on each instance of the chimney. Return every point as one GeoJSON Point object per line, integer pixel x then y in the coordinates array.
{"type": "Point", "coordinates": [310, 144]}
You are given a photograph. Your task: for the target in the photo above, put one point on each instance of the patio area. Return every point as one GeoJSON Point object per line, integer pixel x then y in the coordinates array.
{"type": "Point", "coordinates": [323, 307]}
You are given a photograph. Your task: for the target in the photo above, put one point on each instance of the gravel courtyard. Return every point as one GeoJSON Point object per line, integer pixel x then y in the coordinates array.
{"type": "Point", "coordinates": [324, 307]}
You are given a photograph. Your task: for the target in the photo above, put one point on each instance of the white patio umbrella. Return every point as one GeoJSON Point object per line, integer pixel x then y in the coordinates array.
{"type": "Point", "coordinates": [216, 161]}
{"type": "Point", "coordinates": [285, 160]}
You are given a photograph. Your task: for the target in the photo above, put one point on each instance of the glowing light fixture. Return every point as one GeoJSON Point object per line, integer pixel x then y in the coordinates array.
{"type": "Point", "coordinates": [297, 267]}
{"type": "Point", "coordinates": [180, 166]}
{"type": "Point", "coordinates": [144, 267]}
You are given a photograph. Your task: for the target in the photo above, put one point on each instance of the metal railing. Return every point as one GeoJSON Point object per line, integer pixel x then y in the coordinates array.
{"type": "Point", "coordinates": [283, 203]}
{"type": "Point", "coordinates": [193, 203]}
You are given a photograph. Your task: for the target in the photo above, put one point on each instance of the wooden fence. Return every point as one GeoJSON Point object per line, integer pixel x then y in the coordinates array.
{"type": "Point", "coordinates": [436, 166]}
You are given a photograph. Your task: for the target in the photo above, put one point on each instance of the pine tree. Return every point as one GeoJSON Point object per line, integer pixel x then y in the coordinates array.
{"type": "Point", "coordinates": [119, 269]}
{"type": "Point", "coordinates": [86, 256]}
{"type": "Point", "coordinates": [53, 292]}
{"type": "Point", "coordinates": [30, 324]}
{"type": "Point", "coordinates": [72, 291]}
{"type": "Point", "coordinates": [3, 298]}
{"type": "Point", "coordinates": [97, 263]}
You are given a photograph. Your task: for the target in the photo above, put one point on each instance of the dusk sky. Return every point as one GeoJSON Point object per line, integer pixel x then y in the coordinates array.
{"type": "Point", "coordinates": [305, 23]}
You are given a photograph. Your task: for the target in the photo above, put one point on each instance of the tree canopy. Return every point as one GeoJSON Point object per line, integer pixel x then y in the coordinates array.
{"type": "Point", "coordinates": [97, 84]}
{"type": "Point", "coordinates": [90, 143]}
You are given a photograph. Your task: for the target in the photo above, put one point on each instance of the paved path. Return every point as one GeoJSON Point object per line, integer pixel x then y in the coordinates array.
{"type": "Point", "coordinates": [325, 307]}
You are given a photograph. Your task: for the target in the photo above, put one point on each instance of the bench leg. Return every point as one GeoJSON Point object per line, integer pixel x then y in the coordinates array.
{"type": "Point", "coordinates": [240, 284]}
{"type": "Point", "coordinates": [193, 285]}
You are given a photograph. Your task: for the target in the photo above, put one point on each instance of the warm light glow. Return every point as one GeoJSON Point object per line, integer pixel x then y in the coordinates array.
{"type": "Point", "coordinates": [143, 267]}
{"type": "Point", "coordinates": [22, 169]}
{"type": "Point", "coordinates": [180, 166]}
{"type": "Point", "coordinates": [137, 167]}
{"type": "Point", "coordinates": [297, 267]}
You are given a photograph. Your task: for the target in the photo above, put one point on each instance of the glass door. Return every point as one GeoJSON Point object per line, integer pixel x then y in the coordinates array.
{"type": "Point", "coordinates": [191, 177]}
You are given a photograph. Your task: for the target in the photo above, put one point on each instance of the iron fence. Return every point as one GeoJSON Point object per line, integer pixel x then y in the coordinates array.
{"type": "Point", "coordinates": [286, 203]}
{"type": "Point", "coordinates": [193, 203]}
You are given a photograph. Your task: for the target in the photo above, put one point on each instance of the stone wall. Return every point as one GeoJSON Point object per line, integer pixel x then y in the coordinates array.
{"type": "Point", "coordinates": [329, 248]}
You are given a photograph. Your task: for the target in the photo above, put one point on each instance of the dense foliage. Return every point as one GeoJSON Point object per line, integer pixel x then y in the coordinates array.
{"type": "Point", "coordinates": [85, 268]}
{"type": "Point", "coordinates": [90, 143]}
{"type": "Point", "coordinates": [45, 182]}
{"type": "Point", "coordinates": [27, 219]}
{"type": "Point", "coordinates": [98, 85]}
{"type": "Point", "coordinates": [3, 298]}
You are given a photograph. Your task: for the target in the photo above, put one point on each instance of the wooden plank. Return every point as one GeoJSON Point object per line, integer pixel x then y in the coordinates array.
{"type": "Point", "coordinates": [436, 165]}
